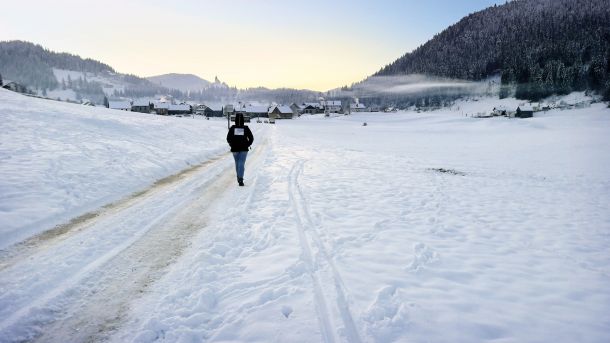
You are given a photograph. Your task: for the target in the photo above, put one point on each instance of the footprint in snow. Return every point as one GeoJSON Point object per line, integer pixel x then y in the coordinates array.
{"type": "Point", "coordinates": [422, 256]}
{"type": "Point", "coordinates": [388, 315]}
{"type": "Point", "coordinates": [286, 311]}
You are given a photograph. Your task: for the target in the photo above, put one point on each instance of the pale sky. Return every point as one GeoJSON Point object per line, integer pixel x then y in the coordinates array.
{"type": "Point", "coordinates": [313, 44]}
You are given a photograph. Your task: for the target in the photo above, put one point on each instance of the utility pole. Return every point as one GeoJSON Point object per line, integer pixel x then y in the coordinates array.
{"type": "Point", "coordinates": [228, 109]}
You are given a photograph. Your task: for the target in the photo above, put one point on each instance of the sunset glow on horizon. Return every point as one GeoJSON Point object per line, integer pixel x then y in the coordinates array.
{"type": "Point", "coordinates": [314, 45]}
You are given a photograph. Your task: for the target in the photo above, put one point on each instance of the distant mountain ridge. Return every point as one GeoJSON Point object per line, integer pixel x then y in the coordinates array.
{"type": "Point", "coordinates": [541, 46]}
{"type": "Point", "coordinates": [183, 82]}
{"type": "Point", "coordinates": [70, 77]}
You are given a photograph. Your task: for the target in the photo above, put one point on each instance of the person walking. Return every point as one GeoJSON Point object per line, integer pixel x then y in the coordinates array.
{"type": "Point", "coordinates": [240, 139]}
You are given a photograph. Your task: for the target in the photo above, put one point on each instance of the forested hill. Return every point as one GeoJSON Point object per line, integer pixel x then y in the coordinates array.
{"type": "Point", "coordinates": [31, 64]}
{"type": "Point", "coordinates": [76, 79]}
{"type": "Point", "coordinates": [542, 46]}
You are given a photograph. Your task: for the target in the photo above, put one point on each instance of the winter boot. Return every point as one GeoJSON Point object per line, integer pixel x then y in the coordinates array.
{"type": "Point", "coordinates": [240, 181]}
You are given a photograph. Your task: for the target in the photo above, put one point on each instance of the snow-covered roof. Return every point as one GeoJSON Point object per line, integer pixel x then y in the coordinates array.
{"type": "Point", "coordinates": [162, 105]}
{"type": "Point", "coordinates": [119, 105]}
{"type": "Point", "coordinates": [257, 109]}
{"type": "Point", "coordinates": [215, 108]}
{"type": "Point", "coordinates": [281, 109]}
{"type": "Point", "coordinates": [141, 103]}
{"type": "Point", "coordinates": [526, 108]}
{"type": "Point", "coordinates": [179, 107]}
{"type": "Point", "coordinates": [312, 104]}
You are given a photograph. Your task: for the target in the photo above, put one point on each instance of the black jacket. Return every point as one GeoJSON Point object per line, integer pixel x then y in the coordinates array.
{"type": "Point", "coordinates": [239, 138]}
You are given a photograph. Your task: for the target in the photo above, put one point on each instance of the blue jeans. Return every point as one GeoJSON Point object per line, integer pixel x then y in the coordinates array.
{"type": "Point", "coordinates": [240, 163]}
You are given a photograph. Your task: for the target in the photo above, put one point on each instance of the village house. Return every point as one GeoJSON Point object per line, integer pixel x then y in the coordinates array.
{"type": "Point", "coordinates": [312, 108]}
{"type": "Point", "coordinates": [524, 111]}
{"type": "Point", "coordinates": [161, 108]}
{"type": "Point", "coordinates": [179, 109]}
{"type": "Point", "coordinates": [374, 108]}
{"type": "Point", "coordinates": [213, 111]}
{"type": "Point", "coordinates": [199, 109]}
{"type": "Point", "coordinates": [257, 111]}
{"type": "Point", "coordinates": [120, 105]}
{"type": "Point", "coordinates": [280, 112]}
{"type": "Point", "coordinates": [500, 111]}
{"type": "Point", "coordinates": [296, 109]}
{"type": "Point", "coordinates": [357, 107]}
{"type": "Point", "coordinates": [332, 106]}
{"type": "Point", "coordinates": [142, 106]}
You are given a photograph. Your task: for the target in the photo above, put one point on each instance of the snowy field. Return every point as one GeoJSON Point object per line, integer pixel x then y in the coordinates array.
{"type": "Point", "coordinates": [415, 228]}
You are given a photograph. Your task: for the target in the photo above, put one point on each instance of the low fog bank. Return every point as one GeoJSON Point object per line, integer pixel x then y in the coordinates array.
{"type": "Point", "coordinates": [415, 88]}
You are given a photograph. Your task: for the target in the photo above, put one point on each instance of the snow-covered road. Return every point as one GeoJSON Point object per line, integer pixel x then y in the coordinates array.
{"type": "Point", "coordinates": [64, 262]}
{"type": "Point", "coordinates": [75, 282]}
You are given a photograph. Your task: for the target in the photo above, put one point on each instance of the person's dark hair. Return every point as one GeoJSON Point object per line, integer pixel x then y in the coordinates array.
{"type": "Point", "coordinates": [239, 119]}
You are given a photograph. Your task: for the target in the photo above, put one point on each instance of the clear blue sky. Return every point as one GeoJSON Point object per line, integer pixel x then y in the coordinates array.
{"type": "Point", "coordinates": [304, 44]}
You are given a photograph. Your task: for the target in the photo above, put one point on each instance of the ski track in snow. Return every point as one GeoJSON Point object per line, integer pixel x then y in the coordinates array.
{"type": "Point", "coordinates": [306, 226]}
{"type": "Point", "coordinates": [322, 309]}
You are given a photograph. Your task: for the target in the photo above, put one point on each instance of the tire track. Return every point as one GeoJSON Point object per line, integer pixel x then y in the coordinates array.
{"type": "Point", "coordinates": [57, 234]}
{"type": "Point", "coordinates": [305, 225]}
